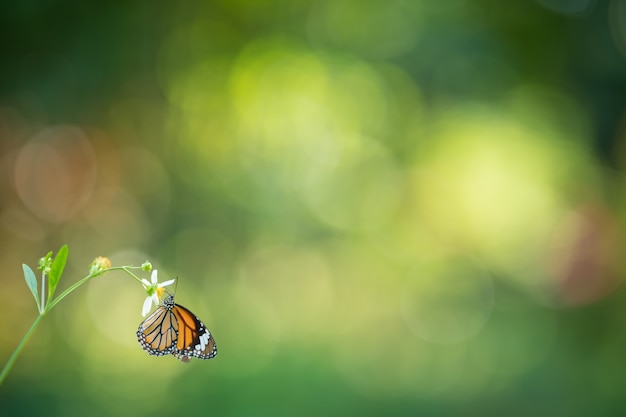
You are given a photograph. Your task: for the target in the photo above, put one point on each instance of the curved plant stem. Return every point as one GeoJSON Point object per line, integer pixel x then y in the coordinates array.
{"type": "Point", "coordinates": [87, 278]}
{"type": "Point", "coordinates": [50, 305]}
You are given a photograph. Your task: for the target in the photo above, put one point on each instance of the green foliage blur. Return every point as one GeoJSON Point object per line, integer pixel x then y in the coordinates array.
{"type": "Point", "coordinates": [392, 208]}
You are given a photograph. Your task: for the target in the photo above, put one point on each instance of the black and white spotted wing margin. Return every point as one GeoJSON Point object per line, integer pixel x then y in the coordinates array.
{"type": "Point", "coordinates": [173, 329]}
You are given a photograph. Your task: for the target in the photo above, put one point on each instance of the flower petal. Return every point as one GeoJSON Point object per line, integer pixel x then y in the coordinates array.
{"type": "Point", "coordinates": [166, 283]}
{"type": "Point", "coordinates": [155, 299]}
{"type": "Point", "coordinates": [154, 276]}
{"type": "Point", "coordinates": [147, 304]}
{"type": "Point", "coordinates": [145, 282]}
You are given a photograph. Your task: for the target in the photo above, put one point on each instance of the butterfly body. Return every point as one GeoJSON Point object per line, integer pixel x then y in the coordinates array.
{"type": "Point", "coordinates": [173, 329]}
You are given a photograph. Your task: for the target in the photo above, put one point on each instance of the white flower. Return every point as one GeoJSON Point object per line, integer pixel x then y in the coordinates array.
{"type": "Point", "coordinates": [154, 290]}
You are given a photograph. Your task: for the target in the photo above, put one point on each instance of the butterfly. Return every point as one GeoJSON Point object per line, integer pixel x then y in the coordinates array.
{"type": "Point", "coordinates": [172, 329]}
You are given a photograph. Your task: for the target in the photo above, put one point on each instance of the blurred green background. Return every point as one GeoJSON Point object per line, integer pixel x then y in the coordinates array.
{"type": "Point", "coordinates": [403, 207]}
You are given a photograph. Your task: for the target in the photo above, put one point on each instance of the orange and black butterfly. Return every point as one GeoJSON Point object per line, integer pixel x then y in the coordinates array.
{"type": "Point", "coordinates": [172, 329]}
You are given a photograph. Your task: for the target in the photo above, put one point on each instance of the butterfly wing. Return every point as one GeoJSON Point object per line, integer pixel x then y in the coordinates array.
{"type": "Point", "coordinates": [194, 339]}
{"type": "Point", "coordinates": [157, 334]}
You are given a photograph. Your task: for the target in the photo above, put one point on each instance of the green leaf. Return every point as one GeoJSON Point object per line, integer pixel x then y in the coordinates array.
{"type": "Point", "coordinates": [31, 281]}
{"type": "Point", "coordinates": [56, 270]}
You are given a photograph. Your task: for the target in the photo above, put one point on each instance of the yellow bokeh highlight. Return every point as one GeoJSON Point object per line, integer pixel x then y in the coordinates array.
{"type": "Point", "coordinates": [489, 182]}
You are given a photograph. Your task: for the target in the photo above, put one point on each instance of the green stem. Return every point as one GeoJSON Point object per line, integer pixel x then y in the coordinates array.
{"type": "Point", "coordinates": [49, 307]}
{"type": "Point", "coordinates": [87, 278]}
{"type": "Point", "coordinates": [18, 349]}
{"type": "Point", "coordinates": [43, 289]}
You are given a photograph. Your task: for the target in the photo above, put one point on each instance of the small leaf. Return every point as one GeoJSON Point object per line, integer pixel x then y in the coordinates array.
{"type": "Point", "coordinates": [31, 281]}
{"type": "Point", "coordinates": [56, 270]}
